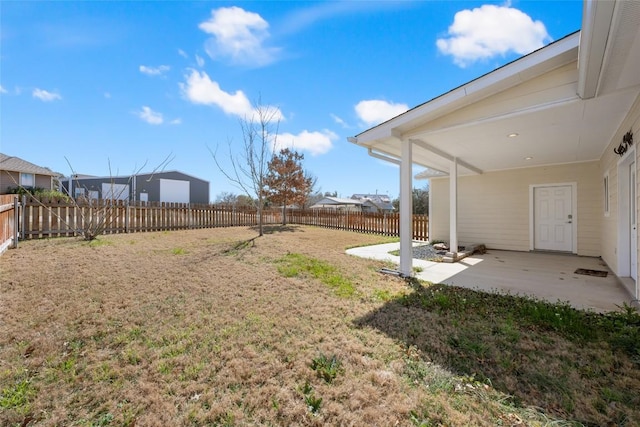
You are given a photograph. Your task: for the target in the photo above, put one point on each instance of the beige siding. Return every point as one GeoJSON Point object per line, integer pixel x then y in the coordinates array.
{"type": "Point", "coordinates": [609, 164]}
{"type": "Point", "coordinates": [493, 208]}
{"type": "Point", "coordinates": [8, 180]}
{"type": "Point", "coordinates": [11, 180]}
{"type": "Point", "coordinates": [559, 83]}
{"type": "Point", "coordinates": [43, 181]}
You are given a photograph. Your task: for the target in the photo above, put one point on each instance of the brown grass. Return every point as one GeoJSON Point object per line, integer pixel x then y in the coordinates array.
{"type": "Point", "coordinates": [202, 327]}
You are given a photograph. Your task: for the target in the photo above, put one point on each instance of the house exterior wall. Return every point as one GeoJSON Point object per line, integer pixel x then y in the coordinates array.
{"type": "Point", "coordinates": [10, 179]}
{"type": "Point", "coordinates": [494, 208]}
{"type": "Point", "coordinates": [609, 236]}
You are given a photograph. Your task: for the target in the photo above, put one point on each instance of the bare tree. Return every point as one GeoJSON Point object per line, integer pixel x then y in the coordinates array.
{"type": "Point", "coordinates": [93, 222]}
{"type": "Point", "coordinates": [249, 167]}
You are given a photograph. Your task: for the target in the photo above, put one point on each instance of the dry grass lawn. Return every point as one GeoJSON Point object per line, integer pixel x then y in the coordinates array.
{"type": "Point", "coordinates": [209, 327]}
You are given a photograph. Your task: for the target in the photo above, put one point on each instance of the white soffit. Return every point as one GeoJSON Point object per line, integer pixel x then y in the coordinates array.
{"type": "Point", "coordinates": [547, 58]}
{"type": "Point", "coordinates": [621, 68]}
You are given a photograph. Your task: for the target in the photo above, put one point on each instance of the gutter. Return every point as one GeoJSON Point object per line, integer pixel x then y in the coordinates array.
{"type": "Point", "coordinates": [385, 157]}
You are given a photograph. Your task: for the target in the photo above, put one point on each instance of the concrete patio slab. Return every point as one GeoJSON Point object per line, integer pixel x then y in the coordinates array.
{"type": "Point", "coordinates": [547, 276]}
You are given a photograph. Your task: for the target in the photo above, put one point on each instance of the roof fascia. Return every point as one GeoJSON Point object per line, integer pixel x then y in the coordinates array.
{"type": "Point", "coordinates": [596, 26]}
{"type": "Point", "coordinates": [469, 92]}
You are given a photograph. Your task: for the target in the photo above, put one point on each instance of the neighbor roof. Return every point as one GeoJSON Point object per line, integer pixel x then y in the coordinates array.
{"type": "Point", "coordinates": [16, 164]}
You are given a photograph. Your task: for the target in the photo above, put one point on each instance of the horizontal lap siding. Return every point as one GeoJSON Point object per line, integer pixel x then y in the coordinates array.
{"type": "Point", "coordinates": [609, 164]}
{"type": "Point", "coordinates": [493, 208]}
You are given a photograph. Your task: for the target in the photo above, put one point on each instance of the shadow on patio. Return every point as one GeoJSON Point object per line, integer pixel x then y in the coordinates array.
{"type": "Point", "coordinates": [546, 276]}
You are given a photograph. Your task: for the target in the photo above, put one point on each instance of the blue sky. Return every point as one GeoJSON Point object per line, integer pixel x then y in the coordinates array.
{"type": "Point", "coordinates": [105, 88]}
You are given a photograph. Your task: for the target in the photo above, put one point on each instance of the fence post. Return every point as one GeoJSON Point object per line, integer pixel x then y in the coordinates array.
{"type": "Point", "coordinates": [23, 218]}
{"type": "Point", "coordinates": [126, 216]}
{"type": "Point", "coordinates": [16, 224]}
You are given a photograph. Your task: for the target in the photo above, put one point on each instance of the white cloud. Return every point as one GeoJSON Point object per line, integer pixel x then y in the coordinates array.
{"type": "Point", "coordinates": [489, 31]}
{"type": "Point", "coordinates": [313, 142]}
{"type": "Point", "coordinates": [375, 111]}
{"type": "Point", "coordinates": [200, 89]}
{"type": "Point", "coordinates": [150, 116]}
{"type": "Point", "coordinates": [183, 53]}
{"type": "Point", "coordinates": [240, 36]}
{"type": "Point", "coordinates": [154, 71]}
{"type": "Point", "coordinates": [2, 90]}
{"type": "Point", "coordinates": [45, 96]}
{"type": "Point", "coordinates": [177, 121]}
{"type": "Point", "coordinates": [107, 95]}
{"type": "Point", "coordinates": [339, 121]}
{"type": "Point", "coordinates": [200, 61]}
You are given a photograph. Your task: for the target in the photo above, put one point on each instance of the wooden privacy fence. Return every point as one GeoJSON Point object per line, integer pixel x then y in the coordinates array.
{"type": "Point", "coordinates": [57, 218]}
{"type": "Point", "coordinates": [8, 221]}
{"type": "Point", "coordinates": [387, 224]}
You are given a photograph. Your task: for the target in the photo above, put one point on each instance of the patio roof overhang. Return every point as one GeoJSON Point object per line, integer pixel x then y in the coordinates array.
{"type": "Point", "coordinates": [559, 104]}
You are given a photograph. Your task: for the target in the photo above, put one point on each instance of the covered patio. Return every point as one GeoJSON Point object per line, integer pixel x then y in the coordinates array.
{"type": "Point", "coordinates": [548, 276]}
{"type": "Point", "coordinates": [535, 156]}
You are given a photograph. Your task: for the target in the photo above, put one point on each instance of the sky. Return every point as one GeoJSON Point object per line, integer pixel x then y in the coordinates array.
{"type": "Point", "coordinates": [111, 88]}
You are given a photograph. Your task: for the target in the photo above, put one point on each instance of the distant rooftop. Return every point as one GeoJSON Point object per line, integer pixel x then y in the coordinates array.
{"type": "Point", "coordinates": [16, 164]}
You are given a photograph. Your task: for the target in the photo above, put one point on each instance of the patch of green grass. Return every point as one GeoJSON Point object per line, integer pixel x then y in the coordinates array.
{"type": "Point", "coordinates": [521, 345]}
{"type": "Point", "coordinates": [294, 265]}
{"type": "Point", "coordinates": [17, 395]}
{"type": "Point", "coordinates": [383, 295]}
{"type": "Point", "coordinates": [327, 368]}
{"type": "Point", "coordinates": [313, 403]}
{"type": "Point", "coordinates": [178, 251]}
{"type": "Point", "coordinates": [96, 243]}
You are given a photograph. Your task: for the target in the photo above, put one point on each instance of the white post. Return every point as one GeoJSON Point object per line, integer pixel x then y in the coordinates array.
{"type": "Point", "coordinates": [453, 208]}
{"type": "Point", "coordinates": [406, 210]}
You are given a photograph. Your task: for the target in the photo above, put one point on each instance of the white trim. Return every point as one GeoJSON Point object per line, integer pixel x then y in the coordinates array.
{"type": "Point", "coordinates": [606, 197]}
{"type": "Point", "coordinates": [596, 27]}
{"type": "Point", "coordinates": [624, 239]}
{"type": "Point", "coordinates": [406, 209]}
{"type": "Point", "coordinates": [574, 213]}
{"type": "Point", "coordinates": [453, 207]}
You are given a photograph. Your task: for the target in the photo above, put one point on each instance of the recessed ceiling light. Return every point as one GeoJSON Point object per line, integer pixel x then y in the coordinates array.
{"type": "Point", "coordinates": [528, 158]}
{"type": "Point", "coordinates": [512, 135]}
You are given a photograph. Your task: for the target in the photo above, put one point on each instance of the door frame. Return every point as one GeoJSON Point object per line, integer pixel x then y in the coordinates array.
{"type": "Point", "coordinates": [574, 213]}
{"type": "Point", "coordinates": [624, 232]}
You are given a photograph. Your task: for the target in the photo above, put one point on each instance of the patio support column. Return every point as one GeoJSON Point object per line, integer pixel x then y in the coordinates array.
{"type": "Point", "coordinates": [453, 207]}
{"type": "Point", "coordinates": [406, 210]}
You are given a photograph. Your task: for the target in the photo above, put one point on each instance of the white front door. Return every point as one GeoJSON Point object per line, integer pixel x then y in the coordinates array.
{"type": "Point", "coordinates": [553, 218]}
{"type": "Point", "coordinates": [633, 222]}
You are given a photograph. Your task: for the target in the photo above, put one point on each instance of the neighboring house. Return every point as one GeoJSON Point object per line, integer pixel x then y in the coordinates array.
{"type": "Point", "coordinates": [537, 155]}
{"type": "Point", "coordinates": [16, 172]}
{"type": "Point", "coordinates": [379, 202]}
{"type": "Point", "coordinates": [338, 204]}
{"type": "Point", "coordinates": [173, 186]}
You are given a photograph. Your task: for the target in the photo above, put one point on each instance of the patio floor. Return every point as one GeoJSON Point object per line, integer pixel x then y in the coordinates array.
{"type": "Point", "coordinates": [543, 275]}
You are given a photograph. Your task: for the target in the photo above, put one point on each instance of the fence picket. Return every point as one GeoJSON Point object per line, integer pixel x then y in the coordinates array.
{"type": "Point", "coordinates": [57, 218]}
